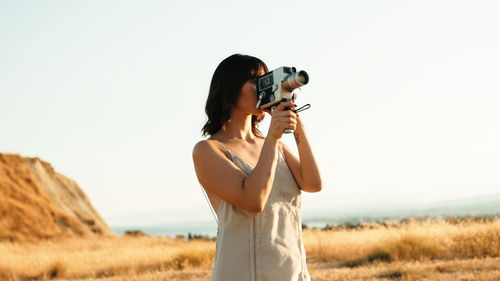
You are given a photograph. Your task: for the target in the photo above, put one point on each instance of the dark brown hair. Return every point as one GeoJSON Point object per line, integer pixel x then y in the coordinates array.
{"type": "Point", "coordinates": [228, 78]}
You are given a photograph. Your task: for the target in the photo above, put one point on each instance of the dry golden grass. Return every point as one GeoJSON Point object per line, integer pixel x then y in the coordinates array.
{"type": "Point", "coordinates": [415, 240]}
{"type": "Point", "coordinates": [429, 250]}
{"type": "Point", "coordinates": [95, 258]}
{"type": "Point", "coordinates": [478, 269]}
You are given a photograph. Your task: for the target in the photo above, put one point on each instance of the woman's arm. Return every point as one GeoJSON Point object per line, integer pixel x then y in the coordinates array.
{"type": "Point", "coordinates": [305, 171]}
{"type": "Point", "coordinates": [219, 175]}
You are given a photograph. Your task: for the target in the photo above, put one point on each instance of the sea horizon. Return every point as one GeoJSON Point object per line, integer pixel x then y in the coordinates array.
{"type": "Point", "coordinates": [209, 228]}
{"type": "Point", "coordinates": [203, 228]}
{"type": "Point", "coordinates": [199, 222]}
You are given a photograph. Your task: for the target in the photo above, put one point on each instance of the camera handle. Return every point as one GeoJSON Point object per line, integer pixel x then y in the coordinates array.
{"type": "Point", "coordinates": [304, 107]}
{"type": "Point", "coordinates": [273, 107]}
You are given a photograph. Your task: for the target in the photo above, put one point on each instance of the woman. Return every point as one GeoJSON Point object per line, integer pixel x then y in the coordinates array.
{"type": "Point", "coordinates": [253, 182]}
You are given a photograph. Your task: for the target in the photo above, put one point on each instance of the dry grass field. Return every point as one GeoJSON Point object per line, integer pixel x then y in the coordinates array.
{"type": "Point", "coordinates": [451, 249]}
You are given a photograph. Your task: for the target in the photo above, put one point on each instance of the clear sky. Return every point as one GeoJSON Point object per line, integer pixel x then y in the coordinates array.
{"type": "Point", "coordinates": [405, 95]}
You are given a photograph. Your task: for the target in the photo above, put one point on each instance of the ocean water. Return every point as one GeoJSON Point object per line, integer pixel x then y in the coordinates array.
{"type": "Point", "coordinates": [206, 227]}
{"type": "Point", "coordinates": [173, 229]}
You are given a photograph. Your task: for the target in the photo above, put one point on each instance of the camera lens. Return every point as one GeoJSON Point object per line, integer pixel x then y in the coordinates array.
{"type": "Point", "coordinates": [295, 80]}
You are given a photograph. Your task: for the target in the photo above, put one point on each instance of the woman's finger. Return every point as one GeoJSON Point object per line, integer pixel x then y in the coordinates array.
{"type": "Point", "coordinates": [284, 105]}
{"type": "Point", "coordinates": [286, 114]}
{"type": "Point", "coordinates": [280, 107]}
{"type": "Point", "coordinates": [287, 122]}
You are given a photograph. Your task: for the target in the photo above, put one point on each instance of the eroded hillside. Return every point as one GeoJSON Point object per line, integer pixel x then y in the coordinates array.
{"type": "Point", "coordinates": [37, 203]}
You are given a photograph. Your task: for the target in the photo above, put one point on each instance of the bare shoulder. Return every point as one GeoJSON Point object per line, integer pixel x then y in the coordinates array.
{"type": "Point", "coordinates": [218, 175]}
{"type": "Point", "coordinates": [201, 147]}
{"type": "Point", "coordinates": [205, 149]}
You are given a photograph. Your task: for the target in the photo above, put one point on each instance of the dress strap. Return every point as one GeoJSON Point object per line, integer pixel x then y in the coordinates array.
{"type": "Point", "coordinates": [220, 144]}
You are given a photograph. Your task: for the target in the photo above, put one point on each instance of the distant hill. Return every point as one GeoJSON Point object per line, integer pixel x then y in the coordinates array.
{"type": "Point", "coordinates": [478, 205]}
{"type": "Point", "coordinates": [37, 203]}
{"type": "Point", "coordinates": [488, 205]}
{"type": "Point", "coordinates": [357, 212]}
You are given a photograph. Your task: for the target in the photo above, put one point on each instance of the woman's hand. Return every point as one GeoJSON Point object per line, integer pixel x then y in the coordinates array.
{"type": "Point", "coordinates": [282, 119]}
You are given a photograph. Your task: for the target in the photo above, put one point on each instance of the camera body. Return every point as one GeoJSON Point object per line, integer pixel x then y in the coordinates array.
{"type": "Point", "coordinates": [278, 85]}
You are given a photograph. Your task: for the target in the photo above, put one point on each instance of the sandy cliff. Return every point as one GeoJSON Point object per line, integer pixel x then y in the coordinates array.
{"type": "Point", "coordinates": [37, 203]}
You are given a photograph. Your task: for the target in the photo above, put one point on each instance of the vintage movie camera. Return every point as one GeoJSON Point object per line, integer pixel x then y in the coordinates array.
{"type": "Point", "coordinates": [277, 86]}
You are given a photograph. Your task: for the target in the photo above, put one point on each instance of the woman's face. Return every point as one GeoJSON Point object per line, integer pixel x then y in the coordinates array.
{"type": "Point", "coordinates": [247, 99]}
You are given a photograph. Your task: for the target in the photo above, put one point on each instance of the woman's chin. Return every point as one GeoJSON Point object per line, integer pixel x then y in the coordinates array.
{"type": "Point", "coordinates": [260, 111]}
{"type": "Point", "coordinates": [257, 111]}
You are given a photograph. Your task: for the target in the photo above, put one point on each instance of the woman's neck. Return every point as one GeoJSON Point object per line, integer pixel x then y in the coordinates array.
{"type": "Point", "coordinates": [238, 127]}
